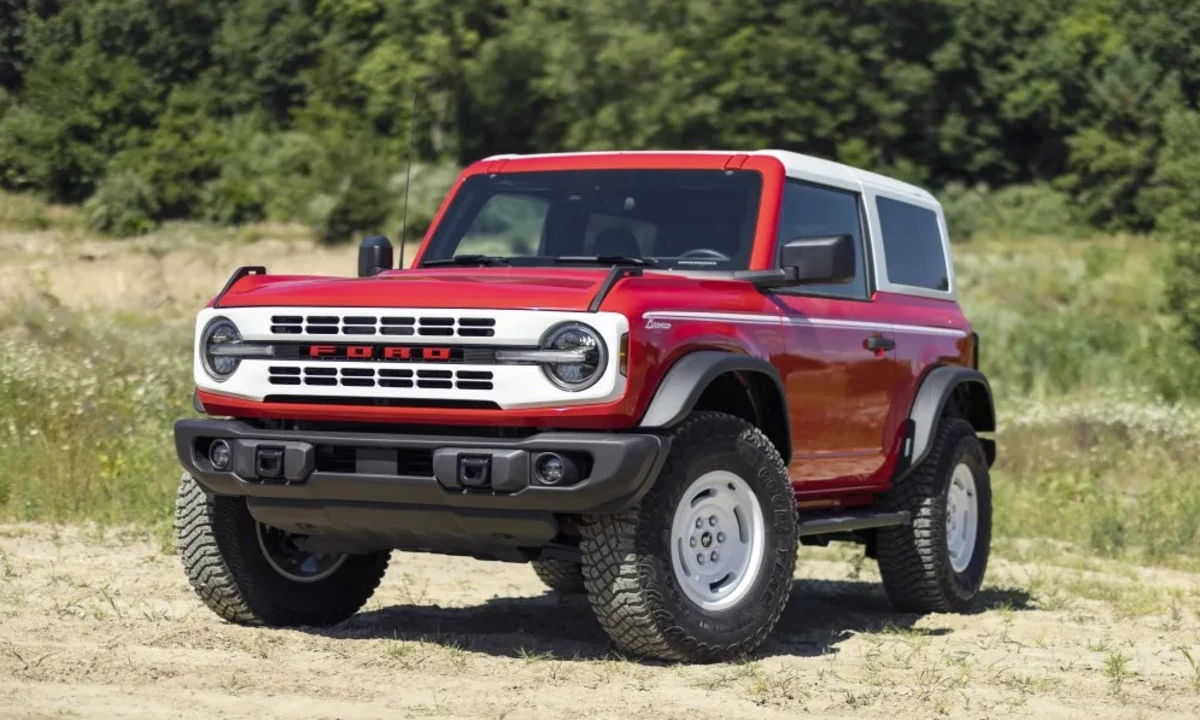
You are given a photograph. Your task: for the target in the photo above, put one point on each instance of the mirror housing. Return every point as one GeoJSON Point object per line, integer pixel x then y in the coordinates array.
{"type": "Point", "coordinates": [819, 259]}
{"type": "Point", "coordinates": [374, 255]}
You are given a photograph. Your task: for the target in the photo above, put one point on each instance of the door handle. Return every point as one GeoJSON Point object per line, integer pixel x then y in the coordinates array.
{"type": "Point", "coordinates": [879, 344]}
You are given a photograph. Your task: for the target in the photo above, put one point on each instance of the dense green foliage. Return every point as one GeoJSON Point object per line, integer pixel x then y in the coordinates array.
{"type": "Point", "coordinates": [300, 109]}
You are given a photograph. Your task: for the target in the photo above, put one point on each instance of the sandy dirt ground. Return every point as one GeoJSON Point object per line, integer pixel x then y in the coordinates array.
{"type": "Point", "coordinates": [99, 624]}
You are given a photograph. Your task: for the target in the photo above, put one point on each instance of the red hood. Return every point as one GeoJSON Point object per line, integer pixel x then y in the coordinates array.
{"type": "Point", "coordinates": [483, 288]}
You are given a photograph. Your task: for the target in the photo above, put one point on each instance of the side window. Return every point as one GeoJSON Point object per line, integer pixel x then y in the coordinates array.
{"type": "Point", "coordinates": [506, 225]}
{"type": "Point", "coordinates": [809, 210]}
{"type": "Point", "coordinates": [912, 243]}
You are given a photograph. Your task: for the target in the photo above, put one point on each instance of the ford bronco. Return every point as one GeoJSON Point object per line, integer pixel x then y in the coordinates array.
{"type": "Point", "coordinates": [650, 375]}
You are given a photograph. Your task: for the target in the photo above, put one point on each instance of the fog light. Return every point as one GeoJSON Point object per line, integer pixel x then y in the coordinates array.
{"type": "Point", "coordinates": [218, 455]}
{"type": "Point", "coordinates": [550, 469]}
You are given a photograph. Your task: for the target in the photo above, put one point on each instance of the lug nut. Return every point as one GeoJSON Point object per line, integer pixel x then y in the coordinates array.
{"type": "Point", "coordinates": [712, 519]}
{"type": "Point", "coordinates": [700, 558]}
{"type": "Point", "coordinates": [692, 542]}
{"type": "Point", "coordinates": [713, 557]}
{"type": "Point", "coordinates": [720, 537]}
{"type": "Point", "coordinates": [699, 522]}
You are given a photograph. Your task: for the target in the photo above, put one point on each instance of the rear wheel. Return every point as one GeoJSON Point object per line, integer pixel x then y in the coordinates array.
{"type": "Point", "coordinates": [249, 573]}
{"type": "Point", "coordinates": [701, 568]}
{"type": "Point", "coordinates": [937, 564]}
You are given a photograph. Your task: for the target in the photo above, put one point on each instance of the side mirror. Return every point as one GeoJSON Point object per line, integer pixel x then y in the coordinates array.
{"type": "Point", "coordinates": [820, 259]}
{"type": "Point", "coordinates": [374, 255]}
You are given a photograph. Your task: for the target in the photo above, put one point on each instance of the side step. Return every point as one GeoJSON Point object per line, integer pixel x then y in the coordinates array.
{"type": "Point", "coordinates": [849, 521]}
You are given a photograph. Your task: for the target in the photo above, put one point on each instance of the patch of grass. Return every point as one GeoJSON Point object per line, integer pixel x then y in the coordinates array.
{"type": "Point", "coordinates": [86, 411]}
{"type": "Point", "coordinates": [1116, 669]}
{"type": "Point", "coordinates": [1194, 664]}
{"type": "Point", "coordinates": [773, 687]}
{"type": "Point", "coordinates": [1102, 473]}
{"type": "Point", "coordinates": [26, 213]}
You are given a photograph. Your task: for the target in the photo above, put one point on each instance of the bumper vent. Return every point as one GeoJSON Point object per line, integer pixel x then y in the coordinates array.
{"type": "Point", "coordinates": [387, 325]}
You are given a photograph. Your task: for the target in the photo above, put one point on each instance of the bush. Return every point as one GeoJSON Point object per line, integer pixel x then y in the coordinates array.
{"type": "Point", "coordinates": [1014, 211]}
{"type": "Point", "coordinates": [124, 205]}
{"type": "Point", "coordinates": [355, 199]}
{"type": "Point", "coordinates": [1176, 197]}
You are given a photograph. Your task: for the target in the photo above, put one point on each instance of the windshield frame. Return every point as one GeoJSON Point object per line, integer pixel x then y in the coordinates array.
{"type": "Point", "coordinates": [460, 210]}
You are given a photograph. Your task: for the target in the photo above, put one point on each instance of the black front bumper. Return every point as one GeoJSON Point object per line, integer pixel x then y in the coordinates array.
{"type": "Point", "coordinates": [377, 489]}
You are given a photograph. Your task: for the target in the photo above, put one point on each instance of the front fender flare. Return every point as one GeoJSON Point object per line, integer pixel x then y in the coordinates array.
{"type": "Point", "coordinates": [688, 378]}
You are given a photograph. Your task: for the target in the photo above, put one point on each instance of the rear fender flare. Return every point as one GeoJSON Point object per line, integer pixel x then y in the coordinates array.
{"type": "Point", "coordinates": [935, 391]}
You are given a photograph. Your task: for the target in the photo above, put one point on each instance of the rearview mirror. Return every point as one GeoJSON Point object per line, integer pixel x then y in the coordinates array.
{"type": "Point", "coordinates": [820, 259]}
{"type": "Point", "coordinates": [374, 256]}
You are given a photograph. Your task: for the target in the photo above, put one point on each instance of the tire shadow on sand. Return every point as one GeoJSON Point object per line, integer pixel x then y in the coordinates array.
{"type": "Point", "coordinates": [820, 615]}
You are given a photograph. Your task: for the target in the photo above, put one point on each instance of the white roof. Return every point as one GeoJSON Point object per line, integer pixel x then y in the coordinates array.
{"type": "Point", "coordinates": [797, 165]}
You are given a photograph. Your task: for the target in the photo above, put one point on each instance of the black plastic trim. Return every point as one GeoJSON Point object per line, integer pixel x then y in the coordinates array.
{"type": "Point", "coordinates": [935, 390]}
{"type": "Point", "coordinates": [849, 521]}
{"type": "Point", "coordinates": [614, 276]}
{"type": "Point", "coordinates": [238, 275]}
{"type": "Point", "coordinates": [688, 378]}
{"type": "Point", "coordinates": [623, 468]}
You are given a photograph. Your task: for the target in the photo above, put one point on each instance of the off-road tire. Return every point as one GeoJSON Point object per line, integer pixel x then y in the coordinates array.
{"type": "Point", "coordinates": [561, 576]}
{"type": "Point", "coordinates": [627, 565]}
{"type": "Point", "coordinates": [915, 561]}
{"type": "Point", "coordinates": [218, 544]}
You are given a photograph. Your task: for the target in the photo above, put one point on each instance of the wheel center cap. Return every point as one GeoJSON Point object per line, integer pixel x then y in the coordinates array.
{"type": "Point", "coordinates": [706, 539]}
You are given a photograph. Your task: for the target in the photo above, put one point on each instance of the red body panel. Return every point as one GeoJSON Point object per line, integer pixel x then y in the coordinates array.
{"type": "Point", "coordinates": [847, 404]}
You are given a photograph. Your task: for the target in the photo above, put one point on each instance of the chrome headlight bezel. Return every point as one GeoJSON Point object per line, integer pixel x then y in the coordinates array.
{"type": "Point", "coordinates": [209, 338]}
{"type": "Point", "coordinates": [548, 343]}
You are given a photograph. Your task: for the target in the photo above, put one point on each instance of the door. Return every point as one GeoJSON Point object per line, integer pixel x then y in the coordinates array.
{"type": "Point", "coordinates": [841, 370]}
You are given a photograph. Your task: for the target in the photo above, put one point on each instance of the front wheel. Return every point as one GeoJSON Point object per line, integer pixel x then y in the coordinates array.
{"type": "Point", "coordinates": [561, 576]}
{"type": "Point", "coordinates": [252, 574]}
{"type": "Point", "coordinates": [701, 568]}
{"type": "Point", "coordinates": [937, 563]}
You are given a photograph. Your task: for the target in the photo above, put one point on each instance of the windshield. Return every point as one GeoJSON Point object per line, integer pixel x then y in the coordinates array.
{"type": "Point", "coordinates": [684, 219]}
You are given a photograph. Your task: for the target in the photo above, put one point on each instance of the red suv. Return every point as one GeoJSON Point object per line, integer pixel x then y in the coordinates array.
{"type": "Point", "coordinates": [651, 375]}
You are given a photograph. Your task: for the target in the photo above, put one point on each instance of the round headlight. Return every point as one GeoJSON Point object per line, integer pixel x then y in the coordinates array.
{"type": "Point", "coordinates": [575, 376]}
{"type": "Point", "coordinates": [219, 332]}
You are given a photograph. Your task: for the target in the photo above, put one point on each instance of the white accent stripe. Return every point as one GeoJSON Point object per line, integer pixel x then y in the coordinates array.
{"type": "Point", "coordinates": [867, 325]}
{"type": "Point", "coordinates": [715, 317]}
{"type": "Point", "coordinates": [758, 319]}
{"type": "Point", "coordinates": [928, 330]}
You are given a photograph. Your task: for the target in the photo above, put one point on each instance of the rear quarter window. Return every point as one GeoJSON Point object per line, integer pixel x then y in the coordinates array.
{"type": "Point", "coordinates": [912, 243]}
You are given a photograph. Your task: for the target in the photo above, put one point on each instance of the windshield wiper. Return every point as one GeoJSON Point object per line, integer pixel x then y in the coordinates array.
{"type": "Point", "coordinates": [606, 260]}
{"type": "Point", "coordinates": [489, 260]}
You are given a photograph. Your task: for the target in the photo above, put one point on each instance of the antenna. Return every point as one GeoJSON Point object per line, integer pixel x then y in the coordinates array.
{"type": "Point", "coordinates": [412, 131]}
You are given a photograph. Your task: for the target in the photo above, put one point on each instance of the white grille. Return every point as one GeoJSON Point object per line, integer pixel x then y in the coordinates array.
{"type": "Point", "coordinates": [476, 377]}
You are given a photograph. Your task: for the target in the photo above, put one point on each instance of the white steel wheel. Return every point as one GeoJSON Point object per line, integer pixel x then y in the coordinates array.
{"type": "Point", "coordinates": [962, 517]}
{"type": "Point", "coordinates": [717, 540]}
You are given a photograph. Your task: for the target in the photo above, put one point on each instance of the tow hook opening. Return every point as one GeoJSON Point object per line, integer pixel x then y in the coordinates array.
{"type": "Point", "coordinates": [268, 462]}
{"type": "Point", "coordinates": [475, 471]}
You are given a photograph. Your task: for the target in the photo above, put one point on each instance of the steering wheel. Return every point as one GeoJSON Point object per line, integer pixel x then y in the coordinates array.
{"type": "Point", "coordinates": [706, 253]}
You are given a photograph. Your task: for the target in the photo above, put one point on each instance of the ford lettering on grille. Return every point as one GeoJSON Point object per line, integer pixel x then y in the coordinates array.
{"type": "Point", "coordinates": [398, 353]}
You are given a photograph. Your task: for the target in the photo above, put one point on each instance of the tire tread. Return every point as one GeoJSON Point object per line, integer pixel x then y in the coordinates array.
{"type": "Point", "coordinates": [211, 539]}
